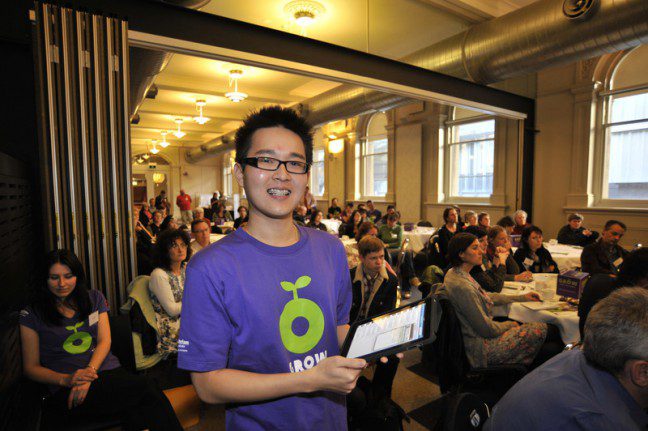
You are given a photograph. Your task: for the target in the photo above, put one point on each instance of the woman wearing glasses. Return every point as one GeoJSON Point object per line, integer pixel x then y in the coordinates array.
{"type": "Point", "coordinates": [166, 288]}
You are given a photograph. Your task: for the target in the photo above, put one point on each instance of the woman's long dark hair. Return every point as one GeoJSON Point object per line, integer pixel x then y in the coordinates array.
{"type": "Point", "coordinates": [44, 303]}
{"type": "Point", "coordinates": [164, 243]}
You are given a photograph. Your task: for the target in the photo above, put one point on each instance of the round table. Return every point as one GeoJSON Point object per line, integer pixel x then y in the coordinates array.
{"type": "Point", "coordinates": [333, 225]}
{"type": "Point", "coordinates": [566, 256]}
{"type": "Point", "coordinates": [565, 320]}
{"type": "Point", "coordinates": [418, 237]}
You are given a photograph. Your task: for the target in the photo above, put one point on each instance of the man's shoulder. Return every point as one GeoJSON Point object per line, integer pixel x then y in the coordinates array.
{"type": "Point", "coordinates": [319, 237]}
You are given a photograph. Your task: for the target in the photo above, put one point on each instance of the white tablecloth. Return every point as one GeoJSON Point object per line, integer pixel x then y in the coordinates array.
{"type": "Point", "coordinates": [566, 321]}
{"type": "Point", "coordinates": [215, 237]}
{"type": "Point", "coordinates": [566, 256]}
{"type": "Point", "coordinates": [332, 224]}
{"type": "Point", "coordinates": [418, 237]}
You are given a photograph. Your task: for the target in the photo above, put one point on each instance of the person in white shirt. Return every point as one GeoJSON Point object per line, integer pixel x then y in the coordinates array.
{"type": "Point", "coordinates": [200, 230]}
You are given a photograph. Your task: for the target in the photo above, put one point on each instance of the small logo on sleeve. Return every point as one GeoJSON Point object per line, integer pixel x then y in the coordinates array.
{"type": "Point", "coordinates": [183, 346]}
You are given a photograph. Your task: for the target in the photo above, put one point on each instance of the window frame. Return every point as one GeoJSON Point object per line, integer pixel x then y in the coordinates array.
{"type": "Point", "coordinates": [311, 180]}
{"type": "Point", "coordinates": [227, 176]}
{"type": "Point", "coordinates": [601, 147]}
{"type": "Point", "coordinates": [448, 167]}
{"type": "Point", "coordinates": [361, 157]}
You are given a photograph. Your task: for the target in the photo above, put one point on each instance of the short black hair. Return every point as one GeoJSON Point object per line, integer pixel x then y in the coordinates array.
{"type": "Point", "coordinates": [477, 231]}
{"type": "Point", "coordinates": [459, 244]}
{"type": "Point", "coordinates": [197, 222]}
{"type": "Point", "coordinates": [526, 233]}
{"type": "Point", "coordinates": [446, 213]}
{"type": "Point", "coordinates": [273, 116]}
{"type": "Point", "coordinates": [390, 207]}
{"type": "Point", "coordinates": [506, 221]}
{"type": "Point", "coordinates": [163, 244]}
{"type": "Point", "coordinates": [610, 223]}
{"type": "Point", "coordinates": [313, 216]}
{"type": "Point", "coordinates": [634, 268]}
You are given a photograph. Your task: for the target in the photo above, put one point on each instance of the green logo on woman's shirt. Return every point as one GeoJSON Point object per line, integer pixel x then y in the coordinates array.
{"type": "Point", "coordinates": [300, 307]}
{"type": "Point", "coordinates": [79, 342]}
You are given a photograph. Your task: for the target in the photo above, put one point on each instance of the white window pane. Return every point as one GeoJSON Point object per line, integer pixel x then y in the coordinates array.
{"type": "Point", "coordinates": [627, 169]}
{"type": "Point", "coordinates": [473, 171]}
{"type": "Point", "coordinates": [628, 108]}
{"type": "Point", "coordinates": [376, 146]}
{"type": "Point", "coordinates": [476, 131]}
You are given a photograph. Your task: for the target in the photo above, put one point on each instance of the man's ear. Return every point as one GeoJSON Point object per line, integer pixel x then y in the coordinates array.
{"type": "Point", "coordinates": [238, 174]}
{"type": "Point", "coordinates": [639, 372]}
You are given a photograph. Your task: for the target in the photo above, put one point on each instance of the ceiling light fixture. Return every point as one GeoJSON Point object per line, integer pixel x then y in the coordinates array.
{"type": "Point", "coordinates": [304, 12]}
{"type": "Point", "coordinates": [164, 142]}
{"type": "Point", "coordinates": [140, 160]}
{"type": "Point", "coordinates": [200, 104]}
{"type": "Point", "coordinates": [235, 96]}
{"type": "Point", "coordinates": [146, 156]}
{"type": "Point", "coordinates": [179, 133]}
{"type": "Point", "coordinates": [155, 149]}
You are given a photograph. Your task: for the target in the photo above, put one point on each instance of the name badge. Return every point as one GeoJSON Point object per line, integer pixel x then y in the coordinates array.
{"type": "Point", "coordinates": [93, 318]}
{"type": "Point", "coordinates": [618, 262]}
{"type": "Point", "coordinates": [394, 235]}
{"type": "Point", "coordinates": [528, 262]}
{"type": "Point", "coordinates": [483, 267]}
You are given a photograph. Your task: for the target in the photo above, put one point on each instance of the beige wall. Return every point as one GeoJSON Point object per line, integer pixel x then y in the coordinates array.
{"type": "Point", "coordinates": [565, 152]}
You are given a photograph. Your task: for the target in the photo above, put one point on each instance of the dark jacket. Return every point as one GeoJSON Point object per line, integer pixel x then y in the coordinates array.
{"type": "Point", "coordinates": [239, 221]}
{"type": "Point", "coordinates": [444, 239]}
{"type": "Point", "coordinates": [569, 236]}
{"type": "Point", "coordinates": [489, 277]}
{"type": "Point", "coordinates": [320, 226]}
{"type": "Point", "coordinates": [384, 298]}
{"type": "Point", "coordinates": [598, 287]}
{"type": "Point", "coordinates": [144, 218]}
{"type": "Point", "coordinates": [594, 259]}
{"type": "Point", "coordinates": [545, 262]}
{"type": "Point", "coordinates": [512, 268]}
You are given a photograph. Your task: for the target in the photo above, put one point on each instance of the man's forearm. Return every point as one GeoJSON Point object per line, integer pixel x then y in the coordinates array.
{"type": "Point", "coordinates": [236, 386]}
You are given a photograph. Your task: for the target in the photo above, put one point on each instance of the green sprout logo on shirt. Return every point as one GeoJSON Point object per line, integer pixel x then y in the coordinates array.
{"type": "Point", "coordinates": [300, 307]}
{"type": "Point", "coordinates": [85, 338]}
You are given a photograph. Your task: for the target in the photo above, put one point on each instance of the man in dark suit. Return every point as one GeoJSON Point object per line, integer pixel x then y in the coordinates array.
{"type": "Point", "coordinates": [606, 255]}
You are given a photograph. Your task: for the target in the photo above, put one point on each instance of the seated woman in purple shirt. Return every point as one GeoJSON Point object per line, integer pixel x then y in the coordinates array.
{"type": "Point", "coordinates": [65, 337]}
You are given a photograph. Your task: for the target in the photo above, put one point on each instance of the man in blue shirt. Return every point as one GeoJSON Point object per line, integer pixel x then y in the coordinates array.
{"type": "Point", "coordinates": [602, 387]}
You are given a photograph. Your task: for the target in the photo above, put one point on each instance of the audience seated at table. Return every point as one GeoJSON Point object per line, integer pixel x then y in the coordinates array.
{"type": "Point", "coordinates": [350, 228]}
{"type": "Point", "coordinates": [347, 214]}
{"type": "Point", "coordinates": [334, 210]}
{"type": "Point", "coordinates": [374, 291]}
{"type": "Point", "coordinates": [391, 209]}
{"type": "Point", "coordinates": [632, 273]}
{"type": "Point", "coordinates": [315, 221]}
{"type": "Point", "coordinates": [604, 386]}
{"type": "Point", "coordinates": [520, 219]}
{"type": "Point", "coordinates": [373, 215]}
{"type": "Point", "coordinates": [489, 275]}
{"type": "Point", "coordinates": [470, 219]}
{"type": "Point", "coordinates": [200, 230]}
{"type": "Point", "coordinates": [483, 221]}
{"type": "Point", "coordinates": [145, 216]}
{"type": "Point", "coordinates": [166, 288]}
{"type": "Point", "coordinates": [531, 255]}
{"type": "Point", "coordinates": [507, 223]}
{"type": "Point", "coordinates": [488, 342]}
{"type": "Point", "coordinates": [499, 245]}
{"type": "Point", "coordinates": [299, 215]}
{"type": "Point", "coordinates": [573, 233]}
{"type": "Point", "coordinates": [242, 218]}
{"type": "Point", "coordinates": [156, 225]}
{"type": "Point", "coordinates": [447, 231]}
{"type": "Point", "coordinates": [606, 255]}
{"type": "Point", "coordinates": [221, 215]}
{"type": "Point", "coordinates": [65, 337]}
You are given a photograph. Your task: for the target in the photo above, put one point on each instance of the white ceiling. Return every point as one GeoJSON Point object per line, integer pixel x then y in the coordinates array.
{"type": "Point", "coordinates": [389, 28]}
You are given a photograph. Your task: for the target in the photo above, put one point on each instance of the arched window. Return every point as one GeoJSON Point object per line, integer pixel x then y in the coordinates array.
{"type": "Point", "coordinates": [317, 184]}
{"type": "Point", "coordinates": [623, 158]}
{"type": "Point", "coordinates": [372, 158]}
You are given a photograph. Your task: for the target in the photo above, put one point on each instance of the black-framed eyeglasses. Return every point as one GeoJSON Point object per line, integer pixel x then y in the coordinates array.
{"type": "Point", "coordinates": [272, 164]}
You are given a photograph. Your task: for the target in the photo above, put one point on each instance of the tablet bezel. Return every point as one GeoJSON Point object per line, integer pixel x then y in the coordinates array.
{"type": "Point", "coordinates": [427, 332]}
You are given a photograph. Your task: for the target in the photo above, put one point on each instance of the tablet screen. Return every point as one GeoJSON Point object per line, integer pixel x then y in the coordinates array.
{"type": "Point", "coordinates": [388, 331]}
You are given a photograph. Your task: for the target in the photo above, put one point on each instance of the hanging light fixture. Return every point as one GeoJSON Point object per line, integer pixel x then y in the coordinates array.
{"type": "Point", "coordinates": [235, 96]}
{"type": "Point", "coordinates": [178, 133]}
{"type": "Point", "coordinates": [140, 160]}
{"type": "Point", "coordinates": [146, 156]}
{"type": "Point", "coordinates": [200, 119]}
{"type": "Point", "coordinates": [155, 149]}
{"type": "Point", "coordinates": [158, 178]}
{"type": "Point", "coordinates": [164, 142]}
{"type": "Point", "coordinates": [304, 12]}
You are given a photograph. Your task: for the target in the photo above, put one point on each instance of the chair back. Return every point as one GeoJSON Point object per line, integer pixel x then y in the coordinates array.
{"type": "Point", "coordinates": [122, 341]}
{"type": "Point", "coordinates": [465, 412]}
{"type": "Point", "coordinates": [448, 349]}
{"type": "Point", "coordinates": [138, 290]}
{"type": "Point", "coordinates": [424, 223]}
{"type": "Point", "coordinates": [435, 257]}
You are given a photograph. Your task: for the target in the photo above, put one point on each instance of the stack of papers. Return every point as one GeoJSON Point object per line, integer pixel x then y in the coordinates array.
{"type": "Point", "coordinates": [546, 305]}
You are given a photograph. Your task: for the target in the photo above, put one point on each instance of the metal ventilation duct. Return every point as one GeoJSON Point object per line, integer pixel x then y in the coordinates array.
{"type": "Point", "coordinates": [524, 41]}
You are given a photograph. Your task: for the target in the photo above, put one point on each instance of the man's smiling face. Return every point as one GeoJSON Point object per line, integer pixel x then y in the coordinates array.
{"type": "Point", "coordinates": [274, 194]}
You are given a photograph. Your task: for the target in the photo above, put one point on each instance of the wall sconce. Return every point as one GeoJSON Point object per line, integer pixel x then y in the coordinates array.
{"type": "Point", "coordinates": [336, 146]}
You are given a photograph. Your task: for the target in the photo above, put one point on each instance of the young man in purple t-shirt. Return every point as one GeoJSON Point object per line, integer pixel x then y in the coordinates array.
{"type": "Point", "coordinates": [266, 308]}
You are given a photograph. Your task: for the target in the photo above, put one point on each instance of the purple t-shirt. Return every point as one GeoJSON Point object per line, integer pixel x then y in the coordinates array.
{"type": "Point", "coordinates": [253, 307]}
{"type": "Point", "coordinates": [69, 346]}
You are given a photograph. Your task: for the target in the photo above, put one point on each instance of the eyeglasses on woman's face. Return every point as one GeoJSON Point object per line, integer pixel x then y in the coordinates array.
{"type": "Point", "coordinates": [272, 164]}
